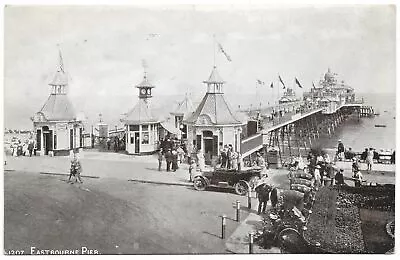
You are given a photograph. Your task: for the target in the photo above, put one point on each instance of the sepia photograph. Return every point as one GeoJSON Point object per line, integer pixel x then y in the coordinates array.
{"type": "Point", "coordinates": [187, 129]}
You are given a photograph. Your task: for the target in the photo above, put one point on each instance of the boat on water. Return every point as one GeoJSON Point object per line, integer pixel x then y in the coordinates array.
{"type": "Point", "coordinates": [378, 125]}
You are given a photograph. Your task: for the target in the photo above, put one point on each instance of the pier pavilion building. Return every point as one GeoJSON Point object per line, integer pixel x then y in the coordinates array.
{"type": "Point", "coordinates": [141, 126]}
{"type": "Point", "coordinates": [57, 127]}
{"type": "Point", "coordinates": [180, 113]}
{"type": "Point", "coordinates": [213, 124]}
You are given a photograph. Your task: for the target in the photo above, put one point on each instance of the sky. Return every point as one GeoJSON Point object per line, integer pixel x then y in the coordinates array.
{"type": "Point", "coordinates": [103, 50]}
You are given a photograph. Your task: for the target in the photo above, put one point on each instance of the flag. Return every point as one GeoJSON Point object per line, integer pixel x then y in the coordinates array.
{"type": "Point", "coordinates": [280, 79]}
{"type": "Point", "coordinates": [61, 61]}
{"type": "Point", "coordinates": [224, 52]}
{"type": "Point", "coordinates": [298, 83]}
{"type": "Point", "coordinates": [260, 82]}
{"type": "Point", "coordinates": [272, 85]}
{"type": "Point", "coordinates": [313, 84]}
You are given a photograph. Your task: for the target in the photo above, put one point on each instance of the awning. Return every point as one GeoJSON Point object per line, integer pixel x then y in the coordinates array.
{"type": "Point", "coordinates": [170, 127]}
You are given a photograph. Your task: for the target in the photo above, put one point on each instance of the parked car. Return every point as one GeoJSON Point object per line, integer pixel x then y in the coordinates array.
{"type": "Point", "coordinates": [220, 177]}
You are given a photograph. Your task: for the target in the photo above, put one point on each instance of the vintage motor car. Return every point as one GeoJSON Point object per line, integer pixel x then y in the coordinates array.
{"type": "Point", "coordinates": [224, 178]}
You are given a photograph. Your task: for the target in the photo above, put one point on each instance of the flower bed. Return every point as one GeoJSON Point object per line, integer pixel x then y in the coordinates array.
{"type": "Point", "coordinates": [336, 229]}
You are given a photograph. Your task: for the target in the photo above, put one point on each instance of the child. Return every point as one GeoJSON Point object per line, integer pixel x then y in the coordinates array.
{"type": "Point", "coordinates": [76, 169]}
{"type": "Point", "coordinates": [192, 169]}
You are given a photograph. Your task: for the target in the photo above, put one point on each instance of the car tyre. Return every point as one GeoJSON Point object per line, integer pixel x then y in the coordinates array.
{"type": "Point", "coordinates": [199, 183]}
{"type": "Point", "coordinates": [241, 188]}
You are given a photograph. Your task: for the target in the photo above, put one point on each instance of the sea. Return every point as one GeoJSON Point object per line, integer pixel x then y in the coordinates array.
{"type": "Point", "coordinates": [362, 134]}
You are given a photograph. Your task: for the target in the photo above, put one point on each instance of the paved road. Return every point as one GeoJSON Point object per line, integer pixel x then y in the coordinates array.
{"type": "Point", "coordinates": [113, 216]}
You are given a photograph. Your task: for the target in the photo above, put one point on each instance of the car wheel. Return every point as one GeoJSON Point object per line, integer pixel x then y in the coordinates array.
{"type": "Point", "coordinates": [241, 188]}
{"type": "Point", "coordinates": [199, 183]}
{"type": "Point", "coordinates": [253, 182]}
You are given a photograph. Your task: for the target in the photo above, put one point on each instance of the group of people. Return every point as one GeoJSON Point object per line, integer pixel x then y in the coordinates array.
{"type": "Point", "coordinates": [266, 192]}
{"type": "Point", "coordinates": [118, 143]}
{"type": "Point", "coordinates": [22, 148]}
{"type": "Point", "coordinates": [173, 157]}
{"type": "Point", "coordinates": [229, 158]}
{"type": "Point", "coordinates": [322, 169]}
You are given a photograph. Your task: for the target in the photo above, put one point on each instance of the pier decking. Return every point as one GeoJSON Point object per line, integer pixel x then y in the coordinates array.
{"type": "Point", "coordinates": [296, 129]}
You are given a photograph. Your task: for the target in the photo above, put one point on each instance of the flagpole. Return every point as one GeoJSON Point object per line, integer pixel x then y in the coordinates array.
{"type": "Point", "coordinates": [214, 49]}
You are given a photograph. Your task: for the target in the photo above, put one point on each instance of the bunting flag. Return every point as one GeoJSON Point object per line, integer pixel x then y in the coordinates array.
{"type": "Point", "coordinates": [272, 85]}
{"type": "Point", "coordinates": [280, 79]}
{"type": "Point", "coordinates": [260, 82]}
{"type": "Point", "coordinates": [298, 83]}
{"type": "Point", "coordinates": [224, 52]}
{"type": "Point", "coordinates": [61, 62]}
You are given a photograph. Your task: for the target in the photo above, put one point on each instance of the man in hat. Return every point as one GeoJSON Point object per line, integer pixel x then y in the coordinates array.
{"type": "Point", "coordinates": [168, 159]}
{"type": "Point", "coordinates": [340, 150]}
{"type": "Point", "coordinates": [263, 190]}
{"type": "Point", "coordinates": [339, 177]}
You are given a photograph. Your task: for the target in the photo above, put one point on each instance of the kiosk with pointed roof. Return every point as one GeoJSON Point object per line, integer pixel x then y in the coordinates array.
{"type": "Point", "coordinates": [180, 113]}
{"type": "Point", "coordinates": [213, 124]}
{"type": "Point", "coordinates": [57, 128]}
{"type": "Point", "coordinates": [141, 127]}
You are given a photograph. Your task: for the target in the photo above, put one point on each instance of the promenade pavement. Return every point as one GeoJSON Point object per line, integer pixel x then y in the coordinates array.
{"type": "Point", "coordinates": [103, 165]}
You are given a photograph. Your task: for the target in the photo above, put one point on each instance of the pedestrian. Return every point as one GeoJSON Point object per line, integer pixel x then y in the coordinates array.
{"type": "Point", "coordinates": [224, 156]}
{"type": "Point", "coordinates": [340, 150]}
{"type": "Point", "coordinates": [76, 169]}
{"type": "Point", "coordinates": [168, 159]}
{"type": "Point", "coordinates": [30, 146]}
{"type": "Point", "coordinates": [317, 176]}
{"type": "Point", "coordinates": [19, 148]}
{"type": "Point", "coordinates": [181, 154]}
{"type": "Point", "coordinates": [116, 141]}
{"type": "Point", "coordinates": [274, 197]}
{"type": "Point", "coordinates": [357, 179]}
{"type": "Point", "coordinates": [263, 190]}
{"type": "Point", "coordinates": [192, 169]}
{"type": "Point", "coordinates": [339, 177]}
{"type": "Point", "coordinates": [260, 162]}
{"type": "Point", "coordinates": [239, 161]}
{"type": "Point", "coordinates": [370, 159]}
{"type": "Point", "coordinates": [229, 157]}
{"type": "Point", "coordinates": [234, 160]}
{"type": "Point", "coordinates": [364, 155]}
{"type": "Point", "coordinates": [160, 159]}
{"type": "Point", "coordinates": [174, 160]}
{"type": "Point", "coordinates": [201, 160]}
{"type": "Point", "coordinates": [393, 158]}
{"type": "Point", "coordinates": [330, 173]}
{"type": "Point", "coordinates": [108, 143]}
{"type": "Point", "coordinates": [355, 167]}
